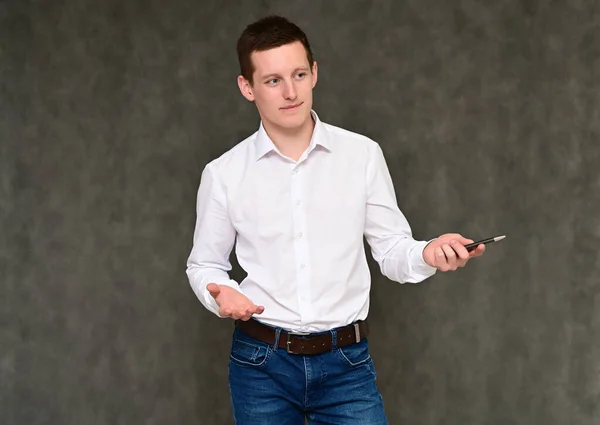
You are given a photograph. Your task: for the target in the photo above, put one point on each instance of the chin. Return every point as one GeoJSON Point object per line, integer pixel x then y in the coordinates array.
{"type": "Point", "coordinates": [295, 120]}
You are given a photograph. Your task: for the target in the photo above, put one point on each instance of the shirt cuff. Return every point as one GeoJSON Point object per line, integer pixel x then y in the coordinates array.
{"type": "Point", "coordinates": [417, 261]}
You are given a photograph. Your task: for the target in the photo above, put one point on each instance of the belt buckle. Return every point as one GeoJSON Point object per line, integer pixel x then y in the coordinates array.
{"type": "Point", "coordinates": [357, 333]}
{"type": "Point", "coordinates": [288, 342]}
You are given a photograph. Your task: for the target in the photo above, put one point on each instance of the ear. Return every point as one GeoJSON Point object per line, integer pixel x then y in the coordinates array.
{"type": "Point", "coordinates": [314, 74]}
{"type": "Point", "coordinates": [245, 88]}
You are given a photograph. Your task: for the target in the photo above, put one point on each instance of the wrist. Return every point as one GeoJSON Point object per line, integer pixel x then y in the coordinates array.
{"type": "Point", "coordinates": [425, 254]}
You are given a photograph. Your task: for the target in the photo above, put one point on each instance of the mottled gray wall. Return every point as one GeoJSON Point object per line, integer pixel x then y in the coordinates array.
{"type": "Point", "coordinates": [488, 113]}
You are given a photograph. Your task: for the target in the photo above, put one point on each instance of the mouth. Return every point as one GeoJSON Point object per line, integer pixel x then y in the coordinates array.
{"type": "Point", "coordinates": [291, 107]}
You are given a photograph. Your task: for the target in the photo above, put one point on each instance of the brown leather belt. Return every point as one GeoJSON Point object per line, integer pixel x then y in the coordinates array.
{"type": "Point", "coordinates": [306, 344]}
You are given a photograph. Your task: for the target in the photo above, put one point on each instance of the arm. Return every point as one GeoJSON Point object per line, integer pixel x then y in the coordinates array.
{"type": "Point", "coordinates": [214, 237]}
{"type": "Point", "coordinates": [400, 257]}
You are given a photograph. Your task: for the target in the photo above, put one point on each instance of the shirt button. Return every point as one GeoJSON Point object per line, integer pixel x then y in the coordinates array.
{"type": "Point", "coordinates": [300, 234]}
{"type": "Point", "coordinates": [297, 203]}
{"type": "Point", "coordinates": [302, 266]}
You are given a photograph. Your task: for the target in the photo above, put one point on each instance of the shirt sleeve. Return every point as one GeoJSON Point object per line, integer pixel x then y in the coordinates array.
{"type": "Point", "coordinates": [388, 233]}
{"type": "Point", "coordinates": [213, 240]}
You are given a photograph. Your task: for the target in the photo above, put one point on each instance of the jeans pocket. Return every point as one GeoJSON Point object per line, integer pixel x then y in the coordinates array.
{"type": "Point", "coordinates": [355, 354]}
{"type": "Point", "coordinates": [249, 353]}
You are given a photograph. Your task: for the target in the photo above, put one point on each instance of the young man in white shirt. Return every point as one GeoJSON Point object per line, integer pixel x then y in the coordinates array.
{"type": "Point", "coordinates": [298, 196]}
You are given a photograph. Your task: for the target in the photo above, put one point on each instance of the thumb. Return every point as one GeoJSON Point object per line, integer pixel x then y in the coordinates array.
{"type": "Point", "coordinates": [460, 238]}
{"type": "Point", "coordinates": [214, 289]}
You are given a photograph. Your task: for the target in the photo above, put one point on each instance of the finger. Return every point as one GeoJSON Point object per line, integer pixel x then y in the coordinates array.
{"type": "Point", "coordinates": [450, 257]}
{"type": "Point", "coordinates": [213, 289]}
{"type": "Point", "coordinates": [255, 308]}
{"type": "Point", "coordinates": [248, 314]}
{"type": "Point", "coordinates": [226, 312]}
{"type": "Point", "coordinates": [460, 238]}
{"type": "Point", "coordinates": [477, 252]}
{"type": "Point", "coordinates": [250, 311]}
{"type": "Point", "coordinates": [449, 253]}
{"type": "Point", "coordinates": [440, 259]}
{"type": "Point", "coordinates": [460, 250]}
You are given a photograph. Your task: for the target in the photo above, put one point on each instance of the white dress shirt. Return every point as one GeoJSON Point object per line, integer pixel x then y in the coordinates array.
{"type": "Point", "coordinates": [298, 228]}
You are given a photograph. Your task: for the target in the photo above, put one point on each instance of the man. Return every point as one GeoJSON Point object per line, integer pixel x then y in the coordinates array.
{"type": "Point", "coordinates": [298, 196]}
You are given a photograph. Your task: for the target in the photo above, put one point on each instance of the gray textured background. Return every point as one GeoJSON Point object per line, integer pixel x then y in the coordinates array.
{"type": "Point", "coordinates": [488, 113]}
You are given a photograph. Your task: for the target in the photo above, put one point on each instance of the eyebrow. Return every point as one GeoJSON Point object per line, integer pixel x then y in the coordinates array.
{"type": "Point", "coordinates": [301, 68]}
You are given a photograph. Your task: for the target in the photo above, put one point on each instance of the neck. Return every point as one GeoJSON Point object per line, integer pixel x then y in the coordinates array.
{"type": "Point", "coordinates": [291, 142]}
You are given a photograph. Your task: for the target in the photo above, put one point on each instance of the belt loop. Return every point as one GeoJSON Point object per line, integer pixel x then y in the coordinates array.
{"type": "Point", "coordinates": [333, 339]}
{"type": "Point", "coordinates": [276, 342]}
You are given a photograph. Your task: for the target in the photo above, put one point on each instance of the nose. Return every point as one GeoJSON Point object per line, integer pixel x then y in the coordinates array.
{"type": "Point", "coordinates": [289, 91]}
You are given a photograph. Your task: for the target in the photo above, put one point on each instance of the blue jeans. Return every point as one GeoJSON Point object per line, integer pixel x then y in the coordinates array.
{"type": "Point", "coordinates": [269, 386]}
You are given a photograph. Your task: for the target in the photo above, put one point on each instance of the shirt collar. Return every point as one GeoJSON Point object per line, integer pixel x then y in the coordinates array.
{"type": "Point", "coordinates": [320, 137]}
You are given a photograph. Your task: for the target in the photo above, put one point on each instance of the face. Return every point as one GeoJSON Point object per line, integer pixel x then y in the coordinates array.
{"type": "Point", "coordinates": [282, 86]}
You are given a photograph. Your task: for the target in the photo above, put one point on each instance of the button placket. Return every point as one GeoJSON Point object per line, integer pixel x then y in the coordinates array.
{"type": "Point", "coordinates": [301, 245]}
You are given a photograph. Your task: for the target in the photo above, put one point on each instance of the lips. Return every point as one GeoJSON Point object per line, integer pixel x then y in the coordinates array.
{"type": "Point", "coordinates": [290, 107]}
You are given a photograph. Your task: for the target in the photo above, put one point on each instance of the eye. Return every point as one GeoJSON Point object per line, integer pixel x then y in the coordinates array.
{"type": "Point", "coordinates": [272, 81]}
{"type": "Point", "coordinates": [301, 75]}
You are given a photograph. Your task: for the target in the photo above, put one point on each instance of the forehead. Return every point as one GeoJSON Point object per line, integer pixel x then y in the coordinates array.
{"type": "Point", "coordinates": [282, 59]}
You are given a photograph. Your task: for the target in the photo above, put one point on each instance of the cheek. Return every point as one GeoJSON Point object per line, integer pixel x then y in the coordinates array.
{"type": "Point", "coordinates": [266, 98]}
{"type": "Point", "coordinates": [307, 88]}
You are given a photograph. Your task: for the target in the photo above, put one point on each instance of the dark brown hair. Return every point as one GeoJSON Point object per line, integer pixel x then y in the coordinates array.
{"type": "Point", "coordinates": [267, 33]}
